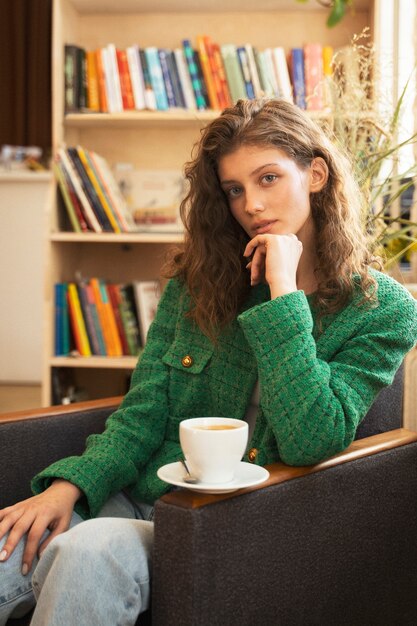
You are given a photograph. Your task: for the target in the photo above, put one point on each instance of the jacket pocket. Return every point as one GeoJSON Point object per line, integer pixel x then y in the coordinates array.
{"type": "Point", "coordinates": [190, 360]}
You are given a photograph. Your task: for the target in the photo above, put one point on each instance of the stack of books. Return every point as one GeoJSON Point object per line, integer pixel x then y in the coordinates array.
{"type": "Point", "coordinates": [95, 317]}
{"type": "Point", "coordinates": [91, 195]}
{"type": "Point", "coordinates": [205, 75]}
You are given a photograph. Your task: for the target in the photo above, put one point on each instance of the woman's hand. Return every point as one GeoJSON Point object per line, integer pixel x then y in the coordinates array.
{"type": "Point", "coordinates": [275, 259]}
{"type": "Point", "coordinates": [51, 510]}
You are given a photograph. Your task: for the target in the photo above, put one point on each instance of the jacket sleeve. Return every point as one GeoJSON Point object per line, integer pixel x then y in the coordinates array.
{"type": "Point", "coordinates": [313, 405]}
{"type": "Point", "coordinates": [113, 458]}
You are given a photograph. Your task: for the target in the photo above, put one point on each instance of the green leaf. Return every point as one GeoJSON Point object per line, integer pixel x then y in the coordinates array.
{"type": "Point", "coordinates": [337, 13]}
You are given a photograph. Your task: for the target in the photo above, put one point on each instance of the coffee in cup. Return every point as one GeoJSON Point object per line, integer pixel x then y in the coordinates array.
{"type": "Point", "coordinates": [213, 447]}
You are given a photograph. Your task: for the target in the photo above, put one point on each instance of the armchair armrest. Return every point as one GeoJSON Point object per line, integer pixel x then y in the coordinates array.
{"type": "Point", "coordinates": [329, 544]}
{"type": "Point", "coordinates": [31, 440]}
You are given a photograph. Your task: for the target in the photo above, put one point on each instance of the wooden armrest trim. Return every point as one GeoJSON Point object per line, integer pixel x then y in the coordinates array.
{"type": "Point", "coordinates": [279, 472]}
{"type": "Point", "coordinates": [61, 409]}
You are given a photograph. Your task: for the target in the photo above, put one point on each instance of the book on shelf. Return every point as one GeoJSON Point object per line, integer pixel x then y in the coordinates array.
{"type": "Point", "coordinates": [147, 295]}
{"type": "Point", "coordinates": [206, 75]}
{"type": "Point", "coordinates": [157, 78]}
{"type": "Point", "coordinates": [82, 342]}
{"type": "Point", "coordinates": [155, 196]}
{"type": "Point", "coordinates": [61, 320]}
{"type": "Point", "coordinates": [313, 76]}
{"type": "Point", "coordinates": [298, 77]}
{"type": "Point", "coordinates": [193, 69]}
{"type": "Point", "coordinates": [91, 194]}
{"type": "Point", "coordinates": [96, 317]}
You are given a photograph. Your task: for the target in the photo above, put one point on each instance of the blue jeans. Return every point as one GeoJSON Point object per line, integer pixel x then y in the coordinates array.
{"type": "Point", "coordinates": [96, 573]}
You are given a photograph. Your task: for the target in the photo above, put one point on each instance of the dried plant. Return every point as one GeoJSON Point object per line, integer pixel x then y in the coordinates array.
{"type": "Point", "coordinates": [367, 130]}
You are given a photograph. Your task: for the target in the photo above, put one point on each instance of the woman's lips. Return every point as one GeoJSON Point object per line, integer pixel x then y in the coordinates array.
{"type": "Point", "coordinates": [264, 227]}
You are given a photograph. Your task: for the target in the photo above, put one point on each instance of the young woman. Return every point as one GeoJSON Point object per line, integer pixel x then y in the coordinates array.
{"type": "Point", "coordinates": [272, 314]}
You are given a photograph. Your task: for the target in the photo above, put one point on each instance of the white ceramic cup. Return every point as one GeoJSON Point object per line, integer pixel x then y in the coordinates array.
{"type": "Point", "coordinates": [213, 447]}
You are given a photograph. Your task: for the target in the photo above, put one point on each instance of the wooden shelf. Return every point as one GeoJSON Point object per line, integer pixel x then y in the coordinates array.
{"type": "Point", "coordinates": [164, 238]}
{"type": "Point", "coordinates": [88, 362]}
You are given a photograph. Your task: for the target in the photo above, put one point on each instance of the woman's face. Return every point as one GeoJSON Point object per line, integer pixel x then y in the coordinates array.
{"type": "Point", "coordinates": [268, 192]}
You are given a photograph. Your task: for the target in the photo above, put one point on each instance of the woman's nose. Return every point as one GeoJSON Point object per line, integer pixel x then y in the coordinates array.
{"type": "Point", "coordinates": [253, 204]}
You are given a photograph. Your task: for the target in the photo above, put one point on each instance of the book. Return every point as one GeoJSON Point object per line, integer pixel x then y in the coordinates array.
{"type": "Point", "coordinates": [108, 81]}
{"type": "Point", "coordinates": [71, 80]}
{"type": "Point", "coordinates": [313, 76]}
{"type": "Point", "coordinates": [136, 76]}
{"type": "Point", "coordinates": [129, 317]}
{"type": "Point", "coordinates": [270, 73]}
{"type": "Point", "coordinates": [155, 199]}
{"type": "Point", "coordinates": [125, 80]}
{"type": "Point", "coordinates": [113, 192]}
{"type": "Point", "coordinates": [92, 323]}
{"type": "Point", "coordinates": [114, 294]}
{"type": "Point", "coordinates": [82, 78]}
{"type": "Point", "coordinates": [218, 59]}
{"type": "Point", "coordinates": [263, 73]}
{"type": "Point", "coordinates": [114, 75]}
{"type": "Point", "coordinates": [193, 71]}
{"type": "Point", "coordinates": [216, 70]}
{"type": "Point", "coordinates": [79, 330]}
{"type": "Point", "coordinates": [100, 191]}
{"type": "Point", "coordinates": [73, 176]}
{"type": "Point", "coordinates": [157, 79]}
{"type": "Point", "coordinates": [233, 72]}
{"type": "Point", "coordinates": [297, 73]}
{"type": "Point", "coordinates": [175, 78]}
{"type": "Point", "coordinates": [62, 330]}
{"type": "Point", "coordinates": [147, 295]}
{"type": "Point", "coordinates": [207, 72]}
{"type": "Point", "coordinates": [185, 80]}
{"type": "Point", "coordinates": [150, 99]}
{"type": "Point", "coordinates": [282, 74]}
{"type": "Point", "coordinates": [244, 66]}
{"type": "Point", "coordinates": [93, 94]}
{"type": "Point", "coordinates": [253, 70]}
{"type": "Point", "coordinates": [89, 190]}
{"type": "Point", "coordinates": [168, 79]}
{"type": "Point", "coordinates": [69, 205]}
{"type": "Point", "coordinates": [101, 81]}
{"type": "Point", "coordinates": [106, 317]}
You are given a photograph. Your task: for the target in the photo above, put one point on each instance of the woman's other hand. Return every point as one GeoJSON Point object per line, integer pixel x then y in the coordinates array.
{"type": "Point", "coordinates": [275, 259]}
{"type": "Point", "coordinates": [50, 510]}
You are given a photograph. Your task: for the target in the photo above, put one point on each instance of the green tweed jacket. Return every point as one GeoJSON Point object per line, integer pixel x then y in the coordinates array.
{"type": "Point", "coordinates": [315, 387]}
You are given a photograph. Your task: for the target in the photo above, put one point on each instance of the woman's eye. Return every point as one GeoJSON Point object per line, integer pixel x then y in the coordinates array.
{"type": "Point", "coordinates": [269, 178]}
{"type": "Point", "coordinates": [233, 192]}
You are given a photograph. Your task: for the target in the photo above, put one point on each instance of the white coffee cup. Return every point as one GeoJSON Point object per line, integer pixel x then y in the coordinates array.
{"type": "Point", "coordinates": [213, 447]}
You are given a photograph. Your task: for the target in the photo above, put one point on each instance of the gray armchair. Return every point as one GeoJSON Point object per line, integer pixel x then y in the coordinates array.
{"type": "Point", "coordinates": [328, 545]}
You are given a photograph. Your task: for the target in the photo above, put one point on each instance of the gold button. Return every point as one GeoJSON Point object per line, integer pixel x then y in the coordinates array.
{"type": "Point", "coordinates": [252, 454]}
{"type": "Point", "coordinates": [187, 360]}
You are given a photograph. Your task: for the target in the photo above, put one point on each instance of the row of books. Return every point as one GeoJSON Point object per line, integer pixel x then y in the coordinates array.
{"type": "Point", "coordinates": [90, 192]}
{"type": "Point", "coordinates": [95, 317]}
{"type": "Point", "coordinates": [204, 76]}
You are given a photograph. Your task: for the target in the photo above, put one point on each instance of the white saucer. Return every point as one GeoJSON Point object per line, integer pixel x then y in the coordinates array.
{"type": "Point", "coordinates": [247, 475]}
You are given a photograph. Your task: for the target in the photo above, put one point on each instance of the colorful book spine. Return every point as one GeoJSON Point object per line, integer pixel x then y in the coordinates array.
{"type": "Point", "coordinates": [89, 190]}
{"type": "Point", "coordinates": [88, 211]}
{"type": "Point", "coordinates": [77, 321]}
{"type": "Point", "coordinates": [168, 81]}
{"type": "Point", "coordinates": [313, 74]}
{"type": "Point", "coordinates": [62, 331]}
{"type": "Point", "coordinates": [233, 72]}
{"type": "Point", "coordinates": [125, 80]}
{"type": "Point", "coordinates": [298, 79]}
{"type": "Point", "coordinates": [101, 82]}
{"type": "Point", "coordinates": [89, 168]}
{"type": "Point", "coordinates": [71, 212]}
{"type": "Point", "coordinates": [270, 74]}
{"type": "Point", "coordinates": [136, 75]}
{"type": "Point", "coordinates": [115, 84]}
{"type": "Point", "coordinates": [93, 94]}
{"type": "Point", "coordinates": [283, 74]}
{"type": "Point", "coordinates": [71, 83]}
{"type": "Point", "coordinates": [157, 78]}
{"type": "Point", "coordinates": [244, 65]}
{"type": "Point", "coordinates": [185, 80]}
{"type": "Point", "coordinates": [215, 72]}
{"type": "Point", "coordinates": [115, 299]}
{"type": "Point", "coordinates": [129, 317]}
{"type": "Point", "coordinates": [207, 72]}
{"type": "Point", "coordinates": [91, 325]}
{"type": "Point", "coordinates": [106, 317]}
{"type": "Point", "coordinates": [175, 77]}
{"type": "Point", "coordinates": [190, 58]}
{"type": "Point", "coordinates": [150, 99]}
{"type": "Point", "coordinates": [253, 70]}
{"type": "Point", "coordinates": [218, 59]}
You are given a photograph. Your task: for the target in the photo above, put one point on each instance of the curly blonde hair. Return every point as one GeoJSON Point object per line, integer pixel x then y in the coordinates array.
{"type": "Point", "coordinates": [211, 261]}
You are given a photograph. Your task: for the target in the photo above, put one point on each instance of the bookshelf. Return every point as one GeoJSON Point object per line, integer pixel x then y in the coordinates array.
{"type": "Point", "coordinates": [149, 139]}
